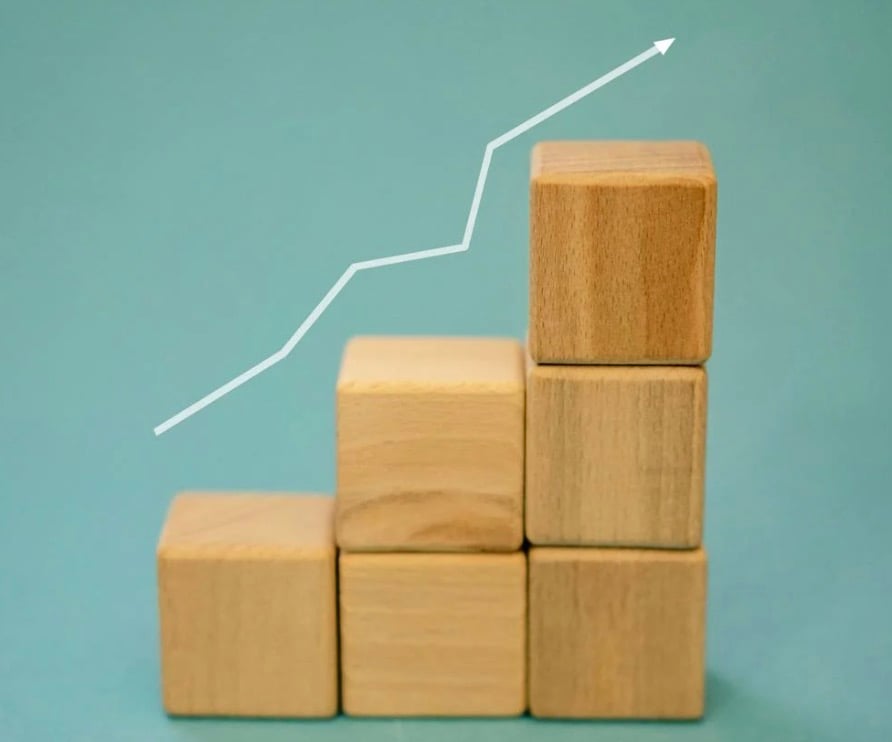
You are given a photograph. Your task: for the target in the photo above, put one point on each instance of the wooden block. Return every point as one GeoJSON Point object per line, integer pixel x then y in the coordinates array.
{"type": "Point", "coordinates": [247, 598]}
{"type": "Point", "coordinates": [615, 455]}
{"type": "Point", "coordinates": [430, 444]}
{"type": "Point", "coordinates": [617, 633]}
{"type": "Point", "coordinates": [433, 634]}
{"type": "Point", "coordinates": [622, 247]}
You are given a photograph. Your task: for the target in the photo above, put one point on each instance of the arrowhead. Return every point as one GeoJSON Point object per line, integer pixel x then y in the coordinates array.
{"type": "Point", "coordinates": [663, 45]}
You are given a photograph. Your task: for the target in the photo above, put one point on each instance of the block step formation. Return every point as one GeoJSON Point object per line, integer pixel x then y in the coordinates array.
{"type": "Point", "coordinates": [413, 592]}
{"type": "Point", "coordinates": [433, 581]}
{"type": "Point", "coordinates": [622, 244]}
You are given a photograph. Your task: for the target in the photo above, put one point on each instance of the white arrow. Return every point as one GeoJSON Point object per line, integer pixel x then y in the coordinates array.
{"type": "Point", "coordinates": [658, 47]}
{"type": "Point", "coordinates": [663, 45]}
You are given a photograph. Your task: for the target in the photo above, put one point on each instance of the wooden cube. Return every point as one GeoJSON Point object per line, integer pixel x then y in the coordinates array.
{"type": "Point", "coordinates": [430, 444]}
{"type": "Point", "coordinates": [617, 633]}
{"type": "Point", "coordinates": [622, 246]}
{"type": "Point", "coordinates": [433, 634]}
{"type": "Point", "coordinates": [247, 599]}
{"type": "Point", "coordinates": [615, 455]}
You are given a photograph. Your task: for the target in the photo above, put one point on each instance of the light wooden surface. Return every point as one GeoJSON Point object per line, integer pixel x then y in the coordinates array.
{"type": "Point", "coordinates": [622, 245]}
{"type": "Point", "coordinates": [615, 455]}
{"type": "Point", "coordinates": [247, 601]}
{"type": "Point", "coordinates": [617, 633]}
{"type": "Point", "coordinates": [433, 634]}
{"type": "Point", "coordinates": [430, 444]}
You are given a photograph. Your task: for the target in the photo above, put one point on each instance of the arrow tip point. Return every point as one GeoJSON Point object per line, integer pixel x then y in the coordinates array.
{"type": "Point", "coordinates": [663, 45]}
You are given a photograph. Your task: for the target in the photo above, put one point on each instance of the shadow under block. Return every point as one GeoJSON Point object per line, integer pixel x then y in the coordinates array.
{"type": "Point", "coordinates": [622, 249]}
{"type": "Point", "coordinates": [430, 444]}
{"type": "Point", "coordinates": [615, 455]}
{"type": "Point", "coordinates": [433, 634]}
{"type": "Point", "coordinates": [617, 633]}
{"type": "Point", "coordinates": [247, 599]}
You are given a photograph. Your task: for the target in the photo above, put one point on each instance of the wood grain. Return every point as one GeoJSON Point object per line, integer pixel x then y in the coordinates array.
{"type": "Point", "coordinates": [430, 444]}
{"type": "Point", "coordinates": [247, 601]}
{"type": "Point", "coordinates": [615, 455]}
{"type": "Point", "coordinates": [622, 246]}
{"type": "Point", "coordinates": [433, 634]}
{"type": "Point", "coordinates": [617, 633]}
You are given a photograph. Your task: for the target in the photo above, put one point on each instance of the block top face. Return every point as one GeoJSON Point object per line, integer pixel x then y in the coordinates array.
{"type": "Point", "coordinates": [244, 524]}
{"type": "Point", "coordinates": [625, 375]}
{"type": "Point", "coordinates": [606, 556]}
{"type": "Point", "coordinates": [611, 161]}
{"type": "Point", "coordinates": [423, 364]}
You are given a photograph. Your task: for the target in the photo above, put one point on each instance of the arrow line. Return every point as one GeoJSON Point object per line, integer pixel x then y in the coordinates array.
{"type": "Point", "coordinates": [658, 47]}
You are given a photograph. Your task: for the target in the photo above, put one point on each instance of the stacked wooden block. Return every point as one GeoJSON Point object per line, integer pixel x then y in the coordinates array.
{"type": "Point", "coordinates": [247, 600]}
{"type": "Point", "coordinates": [414, 591]}
{"type": "Point", "coordinates": [430, 524]}
{"type": "Point", "coordinates": [622, 241]}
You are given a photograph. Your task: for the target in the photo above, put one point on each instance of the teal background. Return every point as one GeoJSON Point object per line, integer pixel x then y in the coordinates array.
{"type": "Point", "coordinates": [181, 182]}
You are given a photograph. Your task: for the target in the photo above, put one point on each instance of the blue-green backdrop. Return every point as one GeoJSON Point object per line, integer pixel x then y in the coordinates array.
{"type": "Point", "coordinates": [180, 182]}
